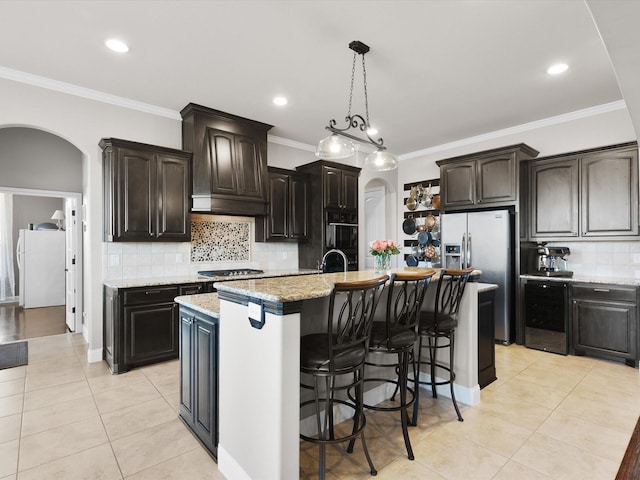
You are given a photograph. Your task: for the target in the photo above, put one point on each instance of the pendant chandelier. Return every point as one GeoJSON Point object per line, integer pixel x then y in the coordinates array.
{"type": "Point", "coordinates": [339, 145]}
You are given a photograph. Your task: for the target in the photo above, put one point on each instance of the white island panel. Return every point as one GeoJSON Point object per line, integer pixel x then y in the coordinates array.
{"type": "Point", "coordinates": [259, 395]}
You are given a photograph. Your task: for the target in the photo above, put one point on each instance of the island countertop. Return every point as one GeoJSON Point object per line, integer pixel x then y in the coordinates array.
{"type": "Point", "coordinates": [282, 289]}
{"type": "Point", "coordinates": [293, 289]}
{"type": "Point", "coordinates": [207, 303]}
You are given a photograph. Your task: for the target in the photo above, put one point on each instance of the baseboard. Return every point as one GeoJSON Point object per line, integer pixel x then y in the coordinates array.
{"type": "Point", "coordinates": [381, 393]}
{"type": "Point", "coordinates": [94, 355]}
{"type": "Point", "coordinates": [467, 395]}
{"type": "Point", "coordinates": [229, 467]}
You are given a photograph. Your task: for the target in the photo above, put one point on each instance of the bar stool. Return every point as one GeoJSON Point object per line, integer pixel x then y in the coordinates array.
{"type": "Point", "coordinates": [340, 353]}
{"type": "Point", "coordinates": [440, 325]}
{"type": "Point", "coordinates": [397, 335]}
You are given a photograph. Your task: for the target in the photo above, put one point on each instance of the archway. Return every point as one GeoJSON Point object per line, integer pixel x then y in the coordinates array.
{"type": "Point", "coordinates": [379, 215]}
{"type": "Point", "coordinates": [39, 166]}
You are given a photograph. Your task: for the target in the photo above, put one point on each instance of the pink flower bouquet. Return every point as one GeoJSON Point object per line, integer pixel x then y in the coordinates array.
{"type": "Point", "coordinates": [384, 247]}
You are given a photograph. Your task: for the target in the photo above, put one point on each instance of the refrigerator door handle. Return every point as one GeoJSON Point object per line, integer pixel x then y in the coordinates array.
{"type": "Point", "coordinates": [463, 254]}
{"type": "Point", "coordinates": [469, 249]}
{"type": "Point", "coordinates": [19, 253]}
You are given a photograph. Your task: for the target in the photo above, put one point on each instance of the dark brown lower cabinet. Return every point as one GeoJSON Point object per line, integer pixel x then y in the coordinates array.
{"type": "Point", "coordinates": [141, 324]}
{"type": "Point", "coordinates": [150, 333]}
{"type": "Point", "coordinates": [199, 337]}
{"type": "Point", "coordinates": [605, 321]}
{"type": "Point", "coordinates": [486, 338]}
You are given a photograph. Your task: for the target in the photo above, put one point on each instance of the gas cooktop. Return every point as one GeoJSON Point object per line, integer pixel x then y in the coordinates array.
{"type": "Point", "coordinates": [228, 273]}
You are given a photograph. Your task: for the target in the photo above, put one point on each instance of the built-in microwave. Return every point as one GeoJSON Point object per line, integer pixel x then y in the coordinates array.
{"type": "Point", "coordinates": [341, 216]}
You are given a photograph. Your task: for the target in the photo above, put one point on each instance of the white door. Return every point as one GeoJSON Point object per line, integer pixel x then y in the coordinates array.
{"type": "Point", "coordinates": [374, 220]}
{"type": "Point", "coordinates": [70, 262]}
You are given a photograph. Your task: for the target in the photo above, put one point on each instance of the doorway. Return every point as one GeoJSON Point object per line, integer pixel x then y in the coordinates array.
{"type": "Point", "coordinates": [374, 219]}
{"type": "Point", "coordinates": [17, 322]}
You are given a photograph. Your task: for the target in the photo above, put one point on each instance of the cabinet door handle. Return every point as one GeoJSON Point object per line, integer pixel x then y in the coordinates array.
{"type": "Point", "coordinates": [603, 290]}
{"type": "Point", "coordinates": [188, 320]}
{"type": "Point", "coordinates": [152, 292]}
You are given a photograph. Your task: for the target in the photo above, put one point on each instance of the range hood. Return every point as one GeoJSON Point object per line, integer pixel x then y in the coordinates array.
{"type": "Point", "coordinates": [228, 206]}
{"type": "Point", "coordinates": [229, 161]}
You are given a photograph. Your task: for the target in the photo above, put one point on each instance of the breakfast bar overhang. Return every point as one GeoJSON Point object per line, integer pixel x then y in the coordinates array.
{"type": "Point", "coordinates": [261, 321]}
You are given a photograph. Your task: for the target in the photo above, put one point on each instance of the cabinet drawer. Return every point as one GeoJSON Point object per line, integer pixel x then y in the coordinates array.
{"type": "Point", "coordinates": [604, 292]}
{"type": "Point", "coordinates": [150, 295]}
{"type": "Point", "coordinates": [194, 288]}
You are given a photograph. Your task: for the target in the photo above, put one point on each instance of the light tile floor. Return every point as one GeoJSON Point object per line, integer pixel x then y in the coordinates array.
{"type": "Point", "coordinates": [546, 417]}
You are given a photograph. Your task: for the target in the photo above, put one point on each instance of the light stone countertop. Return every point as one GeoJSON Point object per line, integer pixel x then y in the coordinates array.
{"type": "Point", "coordinates": [175, 280]}
{"type": "Point", "coordinates": [486, 287]}
{"type": "Point", "coordinates": [633, 282]}
{"type": "Point", "coordinates": [209, 304]}
{"type": "Point", "coordinates": [293, 289]}
{"type": "Point", "coordinates": [206, 303]}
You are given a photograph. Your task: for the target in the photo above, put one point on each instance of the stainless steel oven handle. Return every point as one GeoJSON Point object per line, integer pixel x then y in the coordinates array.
{"type": "Point", "coordinates": [469, 250]}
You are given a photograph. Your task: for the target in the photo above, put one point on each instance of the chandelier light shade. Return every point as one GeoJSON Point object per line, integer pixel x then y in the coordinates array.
{"type": "Point", "coordinates": [380, 161]}
{"type": "Point", "coordinates": [340, 145]}
{"type": "Point", "coordinates": [334, 147]}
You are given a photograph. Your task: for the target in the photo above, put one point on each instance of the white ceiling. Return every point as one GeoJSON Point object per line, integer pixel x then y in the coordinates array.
{"type": "Point", "coordinates": [438, 71]}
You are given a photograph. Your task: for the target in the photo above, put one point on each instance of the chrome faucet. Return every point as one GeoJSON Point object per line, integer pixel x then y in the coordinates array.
{"type": "Point", "coordinates": [339, 252]}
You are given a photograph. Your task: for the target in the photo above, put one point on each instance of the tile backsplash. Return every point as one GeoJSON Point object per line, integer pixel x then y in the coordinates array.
{"type": "Point", "coordinates": [218, 242]}
{"type": "Point", "coordinates": [603, 259]}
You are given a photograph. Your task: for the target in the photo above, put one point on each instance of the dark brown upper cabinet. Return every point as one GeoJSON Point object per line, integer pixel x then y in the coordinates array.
{"type": "Point", "coordinates": [288, 218]}
{"type": "Point", "coordinates": [333, 188]}
{"type": "Point", "coordinates": [340, 187]}
{"type": "Point", "coordinates": [585, 195]}
{"type": "Point", "coordinates": [229, 161]}
{"type": "Point", "coordinates": [554, 209]}
{"type": "Point", "coordinates": [146, 192]}
{"type": "Point", "coordinates": [489, 178]}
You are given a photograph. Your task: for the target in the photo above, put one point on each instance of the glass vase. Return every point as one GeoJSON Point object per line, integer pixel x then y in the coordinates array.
{"type": "Point", "coordinates": [382, 263]}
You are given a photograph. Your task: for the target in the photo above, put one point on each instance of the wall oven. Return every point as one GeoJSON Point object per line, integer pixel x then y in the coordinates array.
{"type": "Point", "coordinates": [342, 233]}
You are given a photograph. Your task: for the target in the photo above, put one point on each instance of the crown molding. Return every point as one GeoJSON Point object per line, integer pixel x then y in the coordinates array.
{"type": "Point", "coordinates": [525, 127]}
{"type": "Point", "coordinates": [88, 93]}
{"type": "Point", "coordinates": [290, 143]}
{"type": "Point", "coordinates": [70, 89]}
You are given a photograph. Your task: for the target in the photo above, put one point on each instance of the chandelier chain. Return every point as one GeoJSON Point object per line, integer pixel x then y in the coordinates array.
{"type": "Point", "coordinates": [366, 100]}
{"type": "Point", "coordinates": [381, 159]}
{"type": "Point", "coordinates": [353, 74]}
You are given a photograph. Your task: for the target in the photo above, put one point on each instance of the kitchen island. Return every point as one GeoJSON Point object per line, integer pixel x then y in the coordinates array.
{"type": "Point", "coordinates": [260, 324]}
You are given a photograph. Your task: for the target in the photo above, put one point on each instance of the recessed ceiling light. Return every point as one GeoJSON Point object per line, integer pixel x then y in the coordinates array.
{"type": "Point", "coordinates": [557, 68]}
{"type": "Point", "coordinates": [117, 45]}
{"type": "Point", "coordinates": [280, 101]}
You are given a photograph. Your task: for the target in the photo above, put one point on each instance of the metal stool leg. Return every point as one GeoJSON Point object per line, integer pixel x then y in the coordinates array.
{"type": "Point", "coordinates": [416, 382]}
{"type": "Point", "coordinates": [452, 375]}
{"type": "Point", "coordinates": [403, 361]}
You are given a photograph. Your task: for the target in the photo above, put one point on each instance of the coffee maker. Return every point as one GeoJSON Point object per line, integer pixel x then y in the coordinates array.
{"type": "Point", "coordinates": [551, 261]}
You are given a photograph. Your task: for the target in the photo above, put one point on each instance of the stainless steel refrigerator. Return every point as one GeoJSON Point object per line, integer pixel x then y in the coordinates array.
{"type": "Point", "coordinates": [485, 240]}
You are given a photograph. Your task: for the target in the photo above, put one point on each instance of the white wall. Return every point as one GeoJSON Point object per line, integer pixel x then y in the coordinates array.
{"type": "Point", "coordinates": [83, 122]}
{"type": "Point", "coordinates": [38, 160]}
{"type": "Point", "coordinates": [579, 134]}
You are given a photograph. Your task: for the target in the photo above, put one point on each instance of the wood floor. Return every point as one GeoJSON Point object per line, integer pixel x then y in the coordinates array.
{"type": "Point", "coordinates": [17, 323]}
